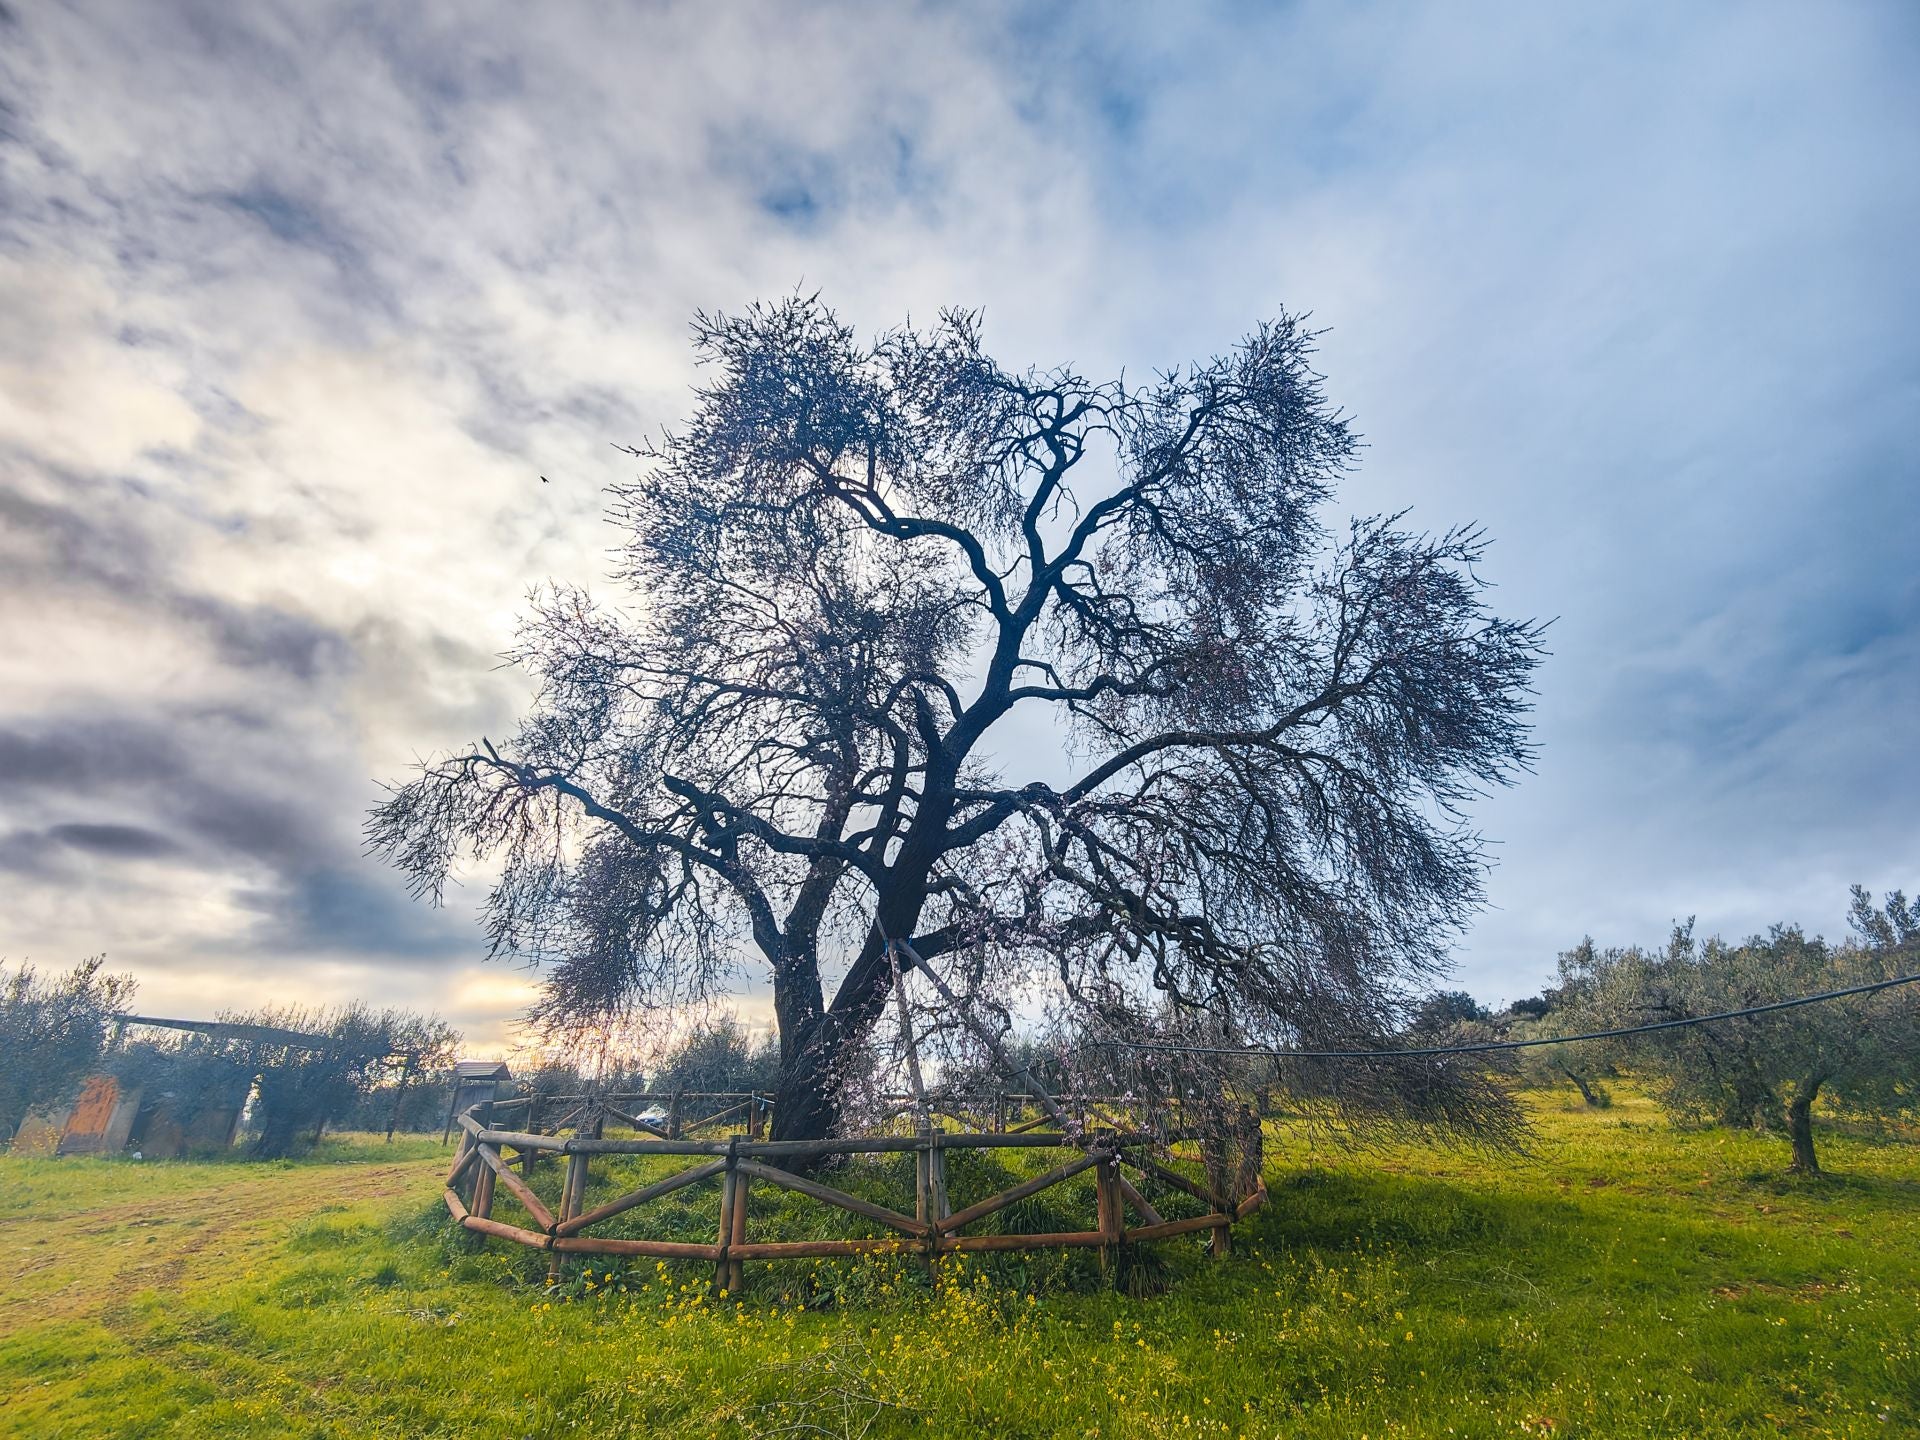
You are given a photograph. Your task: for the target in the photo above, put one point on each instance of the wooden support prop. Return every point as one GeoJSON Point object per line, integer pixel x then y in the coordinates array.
{"type": "Point", "coordinates": [658, 1249]}
{"type": "Point", "coordinates": [640, 1197]}
{"type": "Point", "coordinates": [1146, 1165]}
{"type": "Point", "coordinates": [715, 1118]}
{"type": "Point", "coordinates": [1178, 1227]}
{"type": "Point", "coordinates": [506, 1232]}
{"type": "Point", "coordinates": [988, 1038]}
{"type": "Point", "coordinates": [454, 1207]}
{"type": "Point", "coordinates": [463, 1158]}
{"type": "Point", "coordinates": [1138, 1201]}
{"type": "Point", "coordinates": [1106, 1202]}
{"type": "Point", "coordinates": [637, 1123]}
{"type": "Point", "coordinates": [517, 1187]}
{"type": "Point", "coordinates": [995, 1203]}
{"type": "Point", "coordinates": [838, 1198]}
{"type": "Point", "coordinates": [1252, 1203]}
{"type": "Point", "coordinates": [926, 1205]}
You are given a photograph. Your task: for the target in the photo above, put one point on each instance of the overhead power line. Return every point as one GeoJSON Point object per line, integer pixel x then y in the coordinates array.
{"type": "Point", "coordinates": [1486, 1045]}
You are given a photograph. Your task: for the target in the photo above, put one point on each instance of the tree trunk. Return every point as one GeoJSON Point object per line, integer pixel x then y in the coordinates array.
{"type": "Point", "coordinates": [1800, 1128]}
{"type": "Point", "coordinates": [1586, 1090]}
{"type": "Point", "coordinates": [806, 1106]}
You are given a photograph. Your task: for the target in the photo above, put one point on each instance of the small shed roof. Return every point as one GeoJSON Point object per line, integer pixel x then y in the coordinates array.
{"type": "Point", "coordinates": [482, 1070]}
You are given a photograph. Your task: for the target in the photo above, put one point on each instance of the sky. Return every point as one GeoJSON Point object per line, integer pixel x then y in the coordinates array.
{"type": "Point", "coordinates": [298, 303]}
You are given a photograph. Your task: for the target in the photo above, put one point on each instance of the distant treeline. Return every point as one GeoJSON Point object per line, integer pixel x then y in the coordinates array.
{"type": "Point", "coordinates": [295, 1072]}
{"type": "Point", "coordinates": [1853, 1058]}
{"type": "Point", "coordinates": [721, 1054]}
{"type": "Point", "coordinates": [290, 1071]}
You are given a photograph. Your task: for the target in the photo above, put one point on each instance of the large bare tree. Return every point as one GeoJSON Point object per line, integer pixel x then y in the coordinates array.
{"type": "Point", "coordinates": [874, 582]}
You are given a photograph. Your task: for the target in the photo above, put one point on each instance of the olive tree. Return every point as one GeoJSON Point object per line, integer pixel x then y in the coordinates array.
{"type": "Point", "coordinates": [1861, 1053]}
{"type": "Point", "coordinates": [720, 1055]}
{"type": "Point", "coordinates": [1562, 1010]}
{"type": "Point", "coordinates": [864, 577]}
{"type": "Point", "coordinates": [52, 1032]}
{"type": "Point", "coordinates": [303, 1069]}
{"type": "Point", "coordinates": [300, 1089]}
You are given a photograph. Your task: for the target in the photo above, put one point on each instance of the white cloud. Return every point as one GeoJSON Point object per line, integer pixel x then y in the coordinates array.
{"type": "Point", "coordinates": [302, 303]}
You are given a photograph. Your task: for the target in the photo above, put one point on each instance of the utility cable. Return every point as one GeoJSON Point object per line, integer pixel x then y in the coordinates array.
{"type": "Point", "coordinates": [1483, 1046]}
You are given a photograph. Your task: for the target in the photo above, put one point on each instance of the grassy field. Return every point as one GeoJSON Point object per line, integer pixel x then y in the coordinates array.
{"type": "Point", "coordinates": [1624, 1279]}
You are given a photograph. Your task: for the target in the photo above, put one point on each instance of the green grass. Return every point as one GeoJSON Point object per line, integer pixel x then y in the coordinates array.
{"type": "Point", "coordinates": [1624, 1279]}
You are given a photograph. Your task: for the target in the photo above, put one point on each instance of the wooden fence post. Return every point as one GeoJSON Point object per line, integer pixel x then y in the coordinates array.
{"type": "Point", "coordinates": [1220, 1242]}
{"type": "Point", "coordinates": [393, 1115]}
{"type": "Point", "coordinates": [482, 1205]}
{"type": "Point", "coordinates": [1108, 1206]}
{"type": "Point", "coordinates": [737, 1234]}
{"type": "Point", "coordinates": [729, 1190]}
{"type": "Point", "coordinates": [572, 1190]}
{"type": "Point", "coordinates": [937, 1179]}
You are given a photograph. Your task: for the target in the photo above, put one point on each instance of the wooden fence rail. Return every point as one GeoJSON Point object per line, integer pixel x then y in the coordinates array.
{"type": "Point", "coordinates": [741, 1161]}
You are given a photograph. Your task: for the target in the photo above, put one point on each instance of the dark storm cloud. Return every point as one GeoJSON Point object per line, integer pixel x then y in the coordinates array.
{"type": "Point", "coordinates": [66, 548]}
{"type": "Point", "coordinates": [82, 754]}
{"type": "Point", "coordinates": [359, 911]}
{"type": "Point", "coordinates": [268, 637]}
{"type": "Point", "coordinates": [203, 785]}
{"type": "Point", "coordinates": [42, 852]}
{"type": "Point", "coordinates": [221, 794]}
{"type": "Point", "coordinates": [128, 842]}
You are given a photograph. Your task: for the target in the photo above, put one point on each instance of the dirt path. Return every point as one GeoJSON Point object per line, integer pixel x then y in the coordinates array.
{"type": "Point", "coordinates": [81, 1263]}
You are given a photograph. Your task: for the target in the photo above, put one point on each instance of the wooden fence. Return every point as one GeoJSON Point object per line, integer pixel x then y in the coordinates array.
{"type": "Point", "coordinates": [687, 1111]}
{"type": "Point", "coordinates": [742, 1160]}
